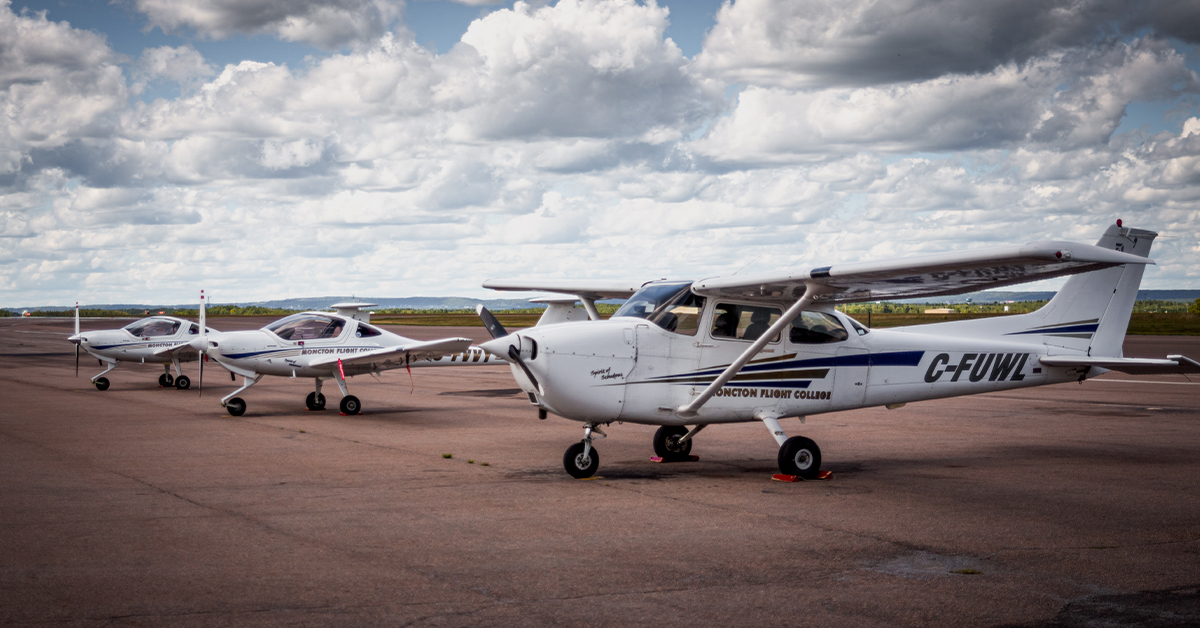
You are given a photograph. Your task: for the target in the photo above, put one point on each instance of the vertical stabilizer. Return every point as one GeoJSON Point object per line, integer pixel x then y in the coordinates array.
{"type": "Point", "coordinates": [1091, 312]}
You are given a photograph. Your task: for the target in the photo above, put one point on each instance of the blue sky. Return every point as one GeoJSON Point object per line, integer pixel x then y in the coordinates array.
{"type": "Point", "coordinates": [270, 149]}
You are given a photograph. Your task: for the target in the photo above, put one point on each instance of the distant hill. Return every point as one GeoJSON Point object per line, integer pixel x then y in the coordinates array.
{"type": "Point", "coordinates": [458, 303]}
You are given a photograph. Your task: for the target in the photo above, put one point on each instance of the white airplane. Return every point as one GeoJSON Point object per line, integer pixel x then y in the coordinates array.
{"type": "Point", "coordinates": [324, 345]}
{"type": "Point", "coordinates": [157, 339]}
{"type": "Point", "coordinates": [684, 355]}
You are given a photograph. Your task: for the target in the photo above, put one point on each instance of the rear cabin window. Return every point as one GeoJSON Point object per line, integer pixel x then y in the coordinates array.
{"type": "Point", "coordinates": [814, 328]}
{"type": "Point", "coordinates": [366, 331]}
{"type": "Point", "coordinates": [743, 322]}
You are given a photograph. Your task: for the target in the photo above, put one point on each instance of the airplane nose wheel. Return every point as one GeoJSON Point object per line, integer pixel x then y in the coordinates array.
{"type": "Point", "coordinates": [315, 401]}
{"type": "Point", "coordinates": [183, 382]}
{"type": "Point", "coordinates": [350, 405]}
{"type": "Point", "coordinates": [667, 443]}
{"type": "Point", "coordinates": [800, 456]}
{"type": "Point", "coordinates": [582, 460]}
{"type": "Point", "coordinates": [581, 464]}
{"type": "Point", "coordinates": [101, 383]}
{"type": "Point", "coordinates": [235, 406]}
{"type": "Point", "coordinates": [165, 380]}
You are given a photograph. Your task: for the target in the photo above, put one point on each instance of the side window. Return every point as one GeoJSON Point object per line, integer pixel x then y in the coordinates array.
{"type": "Point", "coordinates": [366, 331]}
{"type": "Point", "coordinates": [812, 328]}
{"type": "Point", "coordinates": [682, 316]}
{"type": "Point", "coordinates": [743, 322]}
{"type": "Point", "coordinates": [194, 329]}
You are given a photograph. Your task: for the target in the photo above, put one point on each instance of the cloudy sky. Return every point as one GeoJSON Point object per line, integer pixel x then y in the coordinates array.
{"type": "Point", "coordinates": [282, 148]}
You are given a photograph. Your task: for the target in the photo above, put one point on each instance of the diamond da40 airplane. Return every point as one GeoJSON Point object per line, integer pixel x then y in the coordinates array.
{"type": "Point", "coordinates": [324, 346]}
{"type": "Point", "coordinates": [684, 355]}
{"type": "Point", "coordinates": [156, 339]}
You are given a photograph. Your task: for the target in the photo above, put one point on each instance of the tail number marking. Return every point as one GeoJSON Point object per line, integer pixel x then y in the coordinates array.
{"type": "Point", "coordinates": [996, 367]}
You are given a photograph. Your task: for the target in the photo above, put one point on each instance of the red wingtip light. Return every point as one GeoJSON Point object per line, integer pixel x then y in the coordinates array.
{"type": "Point", "coordinates": [1118, 222]}
{"type": "Point", "coordinates": [1058, 255]}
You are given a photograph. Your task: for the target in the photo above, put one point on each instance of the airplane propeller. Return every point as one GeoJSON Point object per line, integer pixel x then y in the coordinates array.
{"type": "Point", "coordinates": [489, 321]}
{"type": "Point", "coordinates": [75, 339]}
{"type": "Point", "coordinates": [497, 331]}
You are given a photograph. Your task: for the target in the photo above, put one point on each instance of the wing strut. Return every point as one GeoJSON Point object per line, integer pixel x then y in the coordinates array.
{"type": "Point", "coordinates": [690, 410]}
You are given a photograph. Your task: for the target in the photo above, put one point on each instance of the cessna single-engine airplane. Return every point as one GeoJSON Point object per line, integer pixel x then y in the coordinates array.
{"type": "Point", "coordinates": [157, 339]}
{"type": "Point", "coordinates": [685, 355]}
{"type": "Point", "coordinates": [324, 345]}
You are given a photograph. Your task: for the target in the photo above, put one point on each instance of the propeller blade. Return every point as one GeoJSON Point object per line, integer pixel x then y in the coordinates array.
{"type": "Point", "coordinates": [76, 360]}
{"type": "Point", "coordinates": [489, 321]}
{"type": "Point", "coordinates": [200, 382]}
{"type": "Point", "coordinates": [515, 354]}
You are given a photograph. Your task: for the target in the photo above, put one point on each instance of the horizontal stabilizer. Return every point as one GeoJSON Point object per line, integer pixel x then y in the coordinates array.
{"type": "Point", "coordinates": [1133, 366]}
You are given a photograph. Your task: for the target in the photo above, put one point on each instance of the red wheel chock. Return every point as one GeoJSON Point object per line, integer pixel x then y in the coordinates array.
{"type": "Point", "coordinates": [688, 459]}
{"type": "Point", "coordinates": [782, 477]}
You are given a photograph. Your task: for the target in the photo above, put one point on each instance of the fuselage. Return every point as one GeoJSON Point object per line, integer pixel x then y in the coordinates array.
{"type": "Point", "coordinates": [636, 369]}
{"type": "Point", "coordinates": [288, 347]}
{"type": "Point", "coordinates": [141, 340]}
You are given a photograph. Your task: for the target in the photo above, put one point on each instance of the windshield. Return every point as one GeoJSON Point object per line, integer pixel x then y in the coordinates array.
{"type": "Point", "coordinates": [306, 327]}
{"type": "Point", "coordinates": [671, 306]}
{"type": "Point", "coordinates": [153, 327]}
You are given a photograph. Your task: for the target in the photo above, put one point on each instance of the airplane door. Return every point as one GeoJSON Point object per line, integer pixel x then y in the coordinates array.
{"type": "Point", "coordinates": [659, 355]}
{"type": "Point", "coordinates": [850, 377]}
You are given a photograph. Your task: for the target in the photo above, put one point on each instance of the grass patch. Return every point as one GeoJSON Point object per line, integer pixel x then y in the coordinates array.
{"type": "Point", "coordinates": [447, 455]}
{"type": "Point", "coordinates": [470, 461]}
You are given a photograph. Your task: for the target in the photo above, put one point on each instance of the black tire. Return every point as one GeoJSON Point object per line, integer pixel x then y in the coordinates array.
{"type": "Point", "coordinates": [101, 383]}
{"type": "Point", "coordinates": [183, 382]}
{"type": "Point", "coordinates": [576, 466]}
{"type": "Point", "coordinates": [667, 445]}
{"type": "Point", "coordinates": [314, 401]}
{"type": "Point", "coordinates": [800, 456]}
{"type": "Point", "coordinates": [164, 380]}
{"type": "Point", "coordinates": [235, 406]}
{"type": "Point", "coordinates": [350, 405]}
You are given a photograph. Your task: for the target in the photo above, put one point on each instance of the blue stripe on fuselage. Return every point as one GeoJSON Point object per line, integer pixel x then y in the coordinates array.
{"type": "Point", "coordinates": [895, 358]}
{"type": "Point", "coordinates": [1057, 330]}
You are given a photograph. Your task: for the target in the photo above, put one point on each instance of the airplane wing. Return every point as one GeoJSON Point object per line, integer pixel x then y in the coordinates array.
{"type": "Point", "coordinates": [923, 276]}
{"type": "Point", "coordinates": [588, 289]}
{"type": "Point", "coordinates": [415, 351]}
{"type": "Point", "coordinates": [172, 349]}
{"type": "Point", "coordinates": [1133, 366]}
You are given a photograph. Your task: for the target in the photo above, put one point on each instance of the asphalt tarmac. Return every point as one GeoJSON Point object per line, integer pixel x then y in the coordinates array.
{"type": "Point", "coordinates": [1070, 505]}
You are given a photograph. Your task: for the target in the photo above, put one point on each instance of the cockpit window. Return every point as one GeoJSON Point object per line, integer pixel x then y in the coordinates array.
{"type": "Point", "coordinates": [743, 322]}
{"type": "Point", "coordinates": [148, 327]}
{"type": "Point", "coordinates": [813, 328]}
{"type": "Point", "coordinates": [306, 327]}
{"type": "Point", "coordinates": [366, 331]}
{"type": "Point", "coordinates": [672, 306]}
{"type": "Point", "coordinates": [858, 327]}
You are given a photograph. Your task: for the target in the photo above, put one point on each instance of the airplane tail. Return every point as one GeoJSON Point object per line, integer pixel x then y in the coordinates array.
{"type": "Point", "coordinates": [1091, 312]}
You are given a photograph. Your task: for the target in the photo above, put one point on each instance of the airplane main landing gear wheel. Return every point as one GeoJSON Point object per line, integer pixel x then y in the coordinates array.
{"type": "Point", "coordinates": [101, 383]}
{"type": "Point", "coordinates": [165, 380]}
{"type": "Point", "coordinates": [667, 445]}
{"type": "Point", "coordinates": [182, 382]}
{"type": "Point", "coordinates": [579, 466]}
{"type": "Point", "coordinates": [350, 405]}
{"type": "Point", "coordinates": [315, 401]}
{"type": "Point", "coordinates": [800, 456]}
{"type": "Point", "coordinates": [235, 406]}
